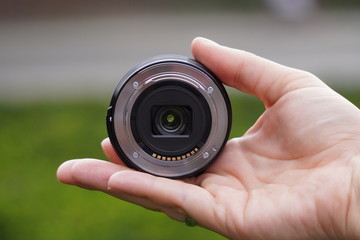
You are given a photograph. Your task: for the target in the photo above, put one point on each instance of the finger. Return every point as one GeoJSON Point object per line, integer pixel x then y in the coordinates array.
{"type": "Point", "coordinates": [183, 198]}
{"type": "Point", "coordinates": [87, 173]}
{"type": "Point", "coordinates": [176, 214]}
{"type": "Point", "coordinates": [249, 73]}
{"type": "Point", "coordinates": [94, 174]}
{"type": "Point", "coordinates": [110, 152]}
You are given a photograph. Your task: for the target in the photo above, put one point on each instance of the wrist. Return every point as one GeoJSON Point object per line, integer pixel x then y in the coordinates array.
{"type": "Point", "coordinates": [353, 215]}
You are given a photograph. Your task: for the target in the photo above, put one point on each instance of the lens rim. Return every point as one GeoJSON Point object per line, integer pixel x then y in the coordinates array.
{"type": "Point", "coordinates": [156, 70]}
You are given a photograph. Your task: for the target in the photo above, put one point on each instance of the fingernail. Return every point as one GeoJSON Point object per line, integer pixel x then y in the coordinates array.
{"type": "Point", "coordinates": [104, 141]}
{"type": "Point", "coordinates": [207, 41]}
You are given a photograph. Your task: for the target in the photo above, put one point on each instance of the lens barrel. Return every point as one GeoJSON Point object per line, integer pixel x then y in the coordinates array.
{"type": "Point", "coordinates": [169, 116]}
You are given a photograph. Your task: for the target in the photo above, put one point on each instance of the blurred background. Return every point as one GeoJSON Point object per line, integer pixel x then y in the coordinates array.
{"type": "Point", "coordinates": [61, 60]}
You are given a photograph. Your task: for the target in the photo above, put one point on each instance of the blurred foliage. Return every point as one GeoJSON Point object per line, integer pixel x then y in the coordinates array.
{"type": "Point", "coordinates": [35, 138]}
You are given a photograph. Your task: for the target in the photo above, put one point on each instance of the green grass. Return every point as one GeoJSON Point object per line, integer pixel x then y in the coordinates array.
{"type": "Point", "coordinates": [35, 138]}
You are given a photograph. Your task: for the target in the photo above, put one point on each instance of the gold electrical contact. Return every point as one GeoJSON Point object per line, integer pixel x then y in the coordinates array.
{"type": "Point", "coordinates": [175, 158]}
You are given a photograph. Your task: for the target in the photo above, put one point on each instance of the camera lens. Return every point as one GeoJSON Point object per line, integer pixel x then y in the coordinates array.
{"type": "Point", "coordinates": [170, 120]}
{"type": "Point", "coordinates": [169, 116]}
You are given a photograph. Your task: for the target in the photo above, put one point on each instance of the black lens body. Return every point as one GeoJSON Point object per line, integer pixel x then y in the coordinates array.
{"type": "Point", "coordinates": [169, 116]}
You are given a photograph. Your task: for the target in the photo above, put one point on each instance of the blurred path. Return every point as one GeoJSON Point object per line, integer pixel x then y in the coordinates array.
{"type": "Point", "coordinates": [88, 56]}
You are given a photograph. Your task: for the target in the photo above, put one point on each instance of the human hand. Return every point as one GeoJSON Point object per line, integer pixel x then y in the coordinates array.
{"type": "Point", "coordinates": [295, 174]}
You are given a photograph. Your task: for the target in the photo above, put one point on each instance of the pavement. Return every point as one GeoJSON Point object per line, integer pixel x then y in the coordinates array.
{"type": "Point", "coordinates": [87, 56]}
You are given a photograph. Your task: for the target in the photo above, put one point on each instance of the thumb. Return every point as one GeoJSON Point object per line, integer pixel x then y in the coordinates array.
{"type": "Point", "coordinates": [249, 73]}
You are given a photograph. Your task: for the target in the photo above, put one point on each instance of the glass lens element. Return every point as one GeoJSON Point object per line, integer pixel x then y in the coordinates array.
{"type": "Point", "coordinates": [170, 120]}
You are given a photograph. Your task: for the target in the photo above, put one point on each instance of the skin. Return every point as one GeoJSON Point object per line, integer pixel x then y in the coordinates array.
{"type": "Point", "coordinates": [295, 174]}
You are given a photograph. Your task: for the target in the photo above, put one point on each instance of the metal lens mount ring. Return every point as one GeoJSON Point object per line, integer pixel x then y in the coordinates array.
{"type": "Point", "coordinates": [149, 88]}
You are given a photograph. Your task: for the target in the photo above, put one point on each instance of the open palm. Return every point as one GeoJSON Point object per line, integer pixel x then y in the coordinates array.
{"type": "Point", "coordinates": [294, 175]}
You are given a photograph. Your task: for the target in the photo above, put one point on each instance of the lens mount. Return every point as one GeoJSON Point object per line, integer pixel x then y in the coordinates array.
{"type": "Point", "coordinates": [169, 116]}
